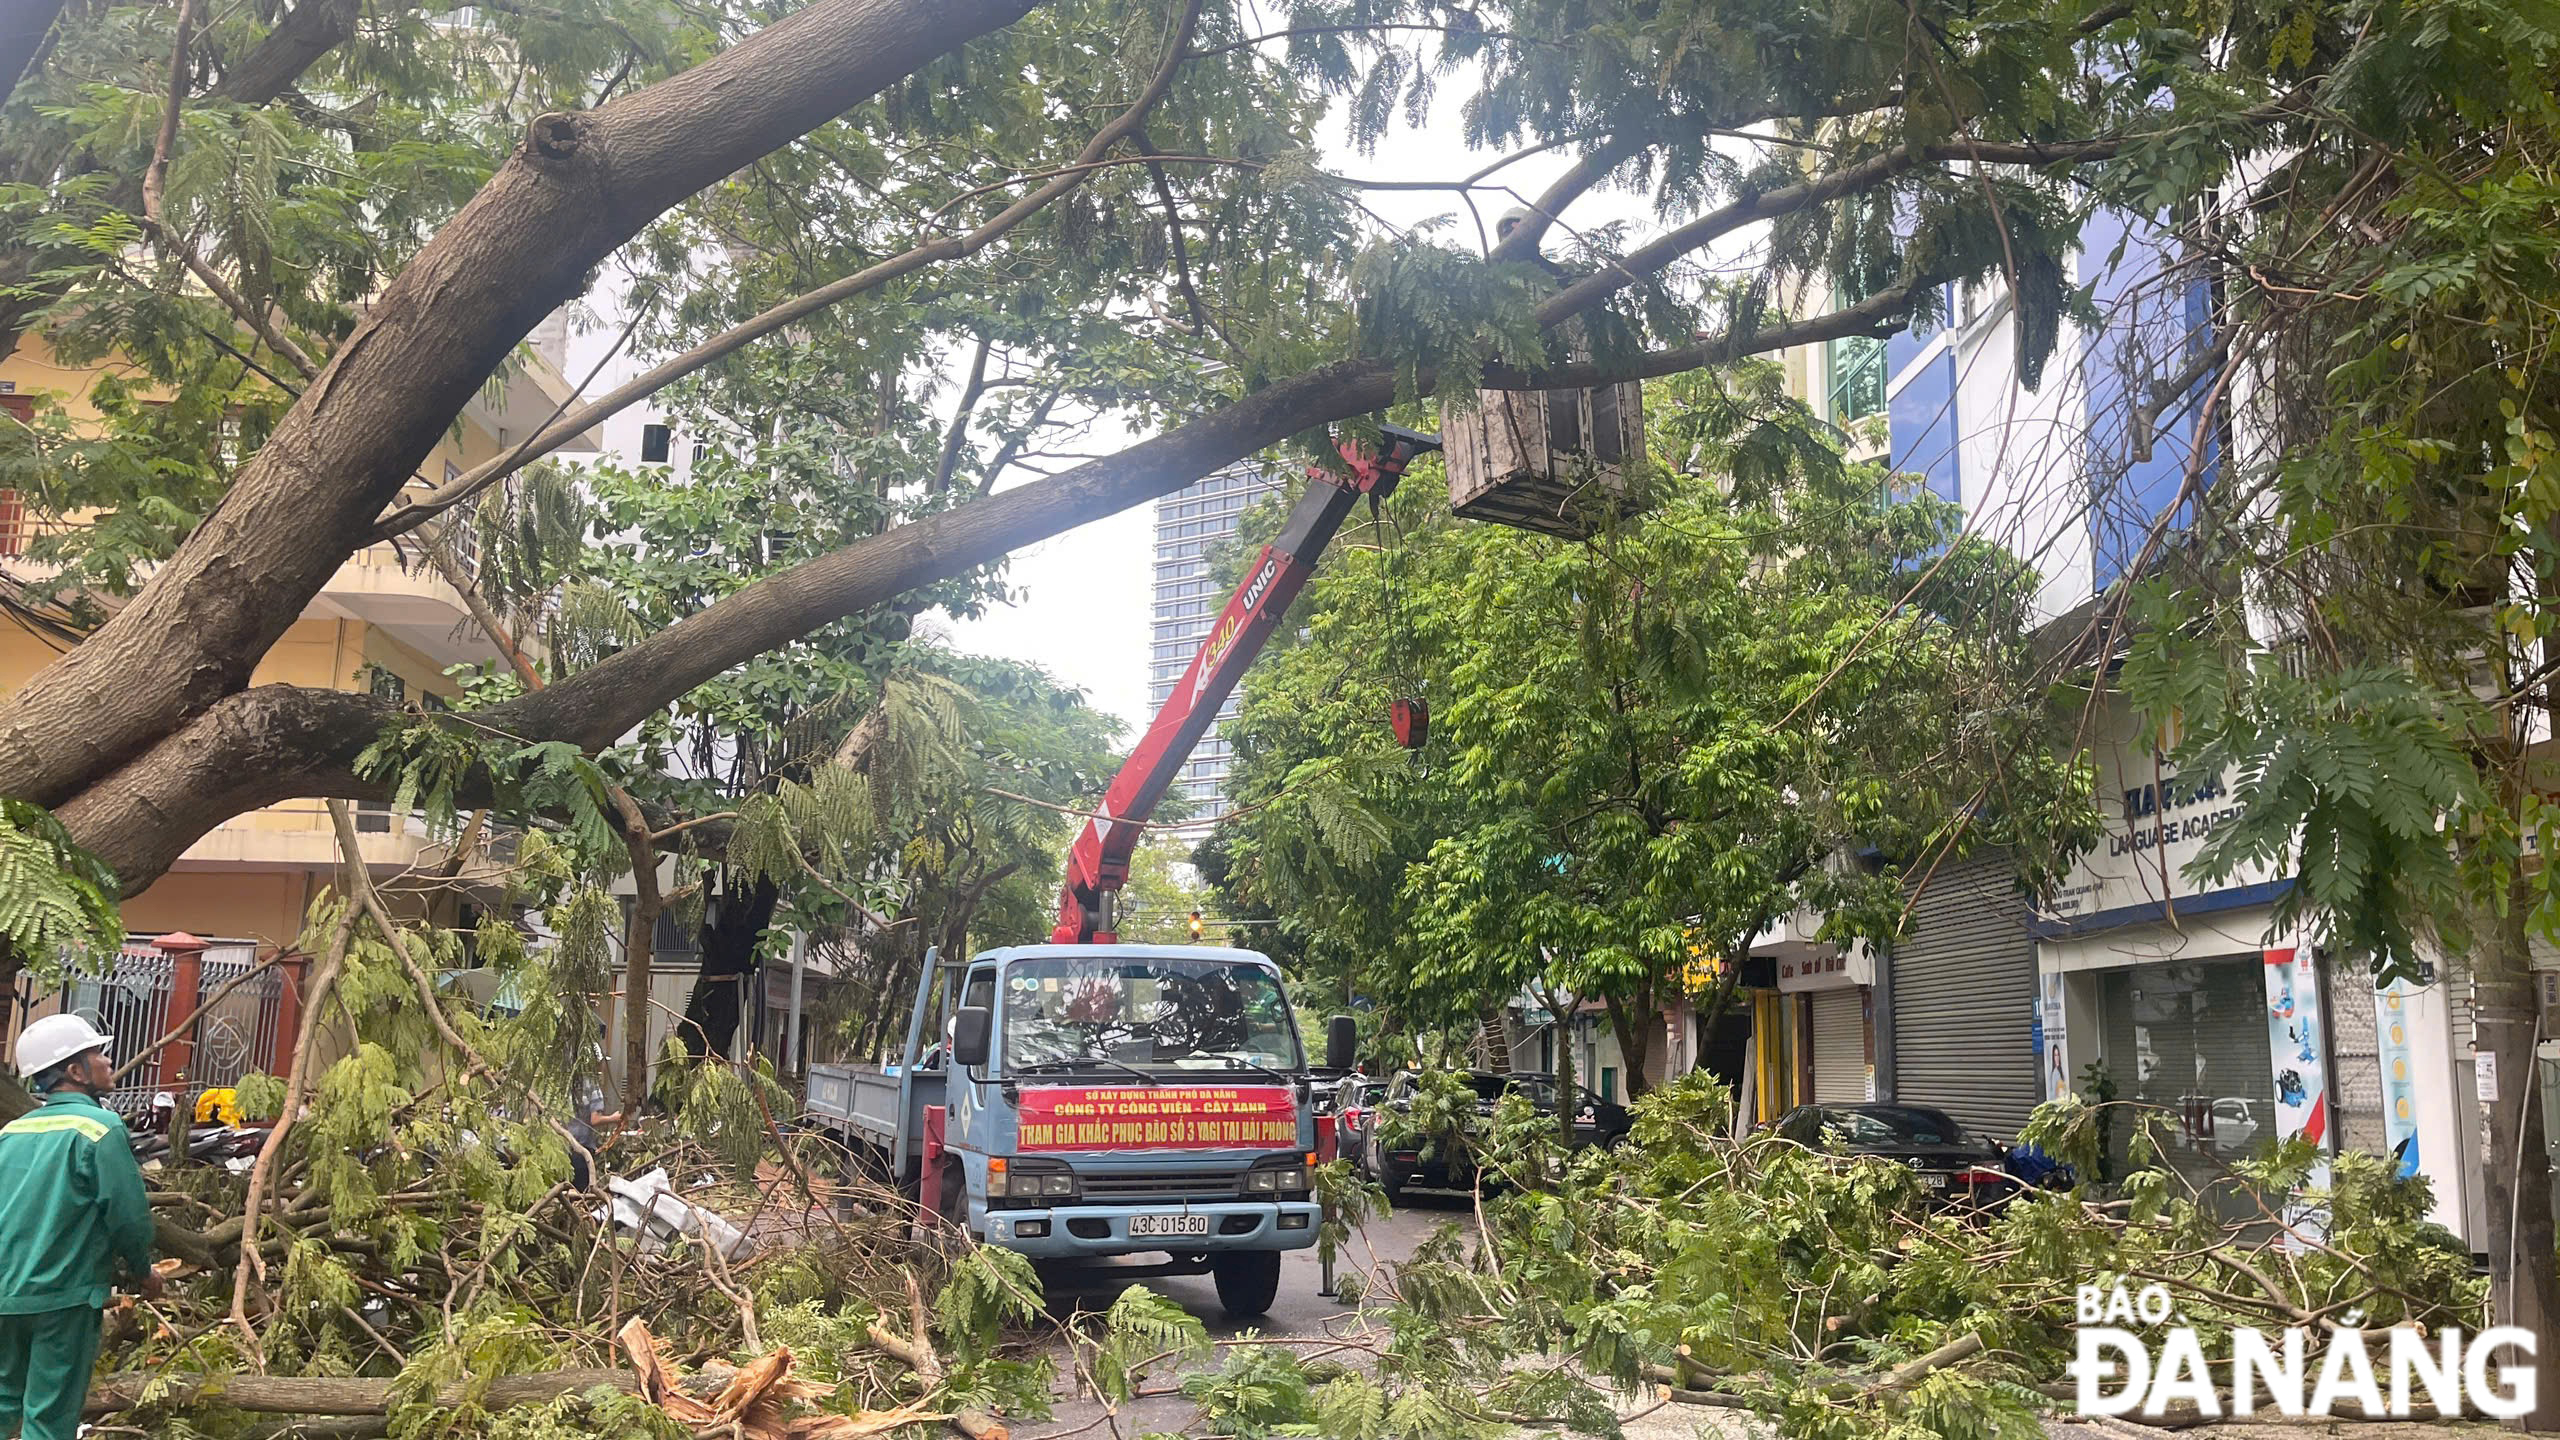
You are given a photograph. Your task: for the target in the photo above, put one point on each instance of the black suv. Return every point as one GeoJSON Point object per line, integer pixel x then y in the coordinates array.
{"type": "Point", "coordinates": [1597, 1122]}
{"type": "Point", "coordinates": [1953, 1165]}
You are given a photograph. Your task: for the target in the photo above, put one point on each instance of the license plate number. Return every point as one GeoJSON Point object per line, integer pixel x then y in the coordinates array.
{"type": "Point", "coordinates": [1158, 1225]}
{"type": "Point", "coordinates": [1934, 1182]}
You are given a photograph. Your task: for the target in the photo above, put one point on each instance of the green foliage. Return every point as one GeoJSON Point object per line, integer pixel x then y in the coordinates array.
{"type": "Point", "coordinates": [259, 1095]}
{"type": "Point", "coordinates": [1440, 1119]}
{"type": "Point", "coordinates": [1651, 746]}
{"type": "Point", "coordinates": [728, 1107]}
{"type": "Point", "coordinates": [989, 1289]}
{"type": "Point", "coordinates": [2346, 782]}
{"type": "Point", "coordinates": [57, 901]}
{"type": "Point", "coordinates": [1142, 1327]}
{"type": "Point", "coordinates": [1259, 1392]}
{"type": "Point", "coordinates": [1796, 1277]}
{"type": "Point", "coordinates": [600, 1411]}
{"type": "Point", "coordinates": [1162, 892]}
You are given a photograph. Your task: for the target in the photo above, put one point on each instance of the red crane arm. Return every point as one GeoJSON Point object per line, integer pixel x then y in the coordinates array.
{"type": "Point", "coordinates": [1099, 864]}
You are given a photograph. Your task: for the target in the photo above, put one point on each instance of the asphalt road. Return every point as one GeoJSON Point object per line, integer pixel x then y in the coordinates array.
{"type": "Point", "coordinates": [1300, 1314]}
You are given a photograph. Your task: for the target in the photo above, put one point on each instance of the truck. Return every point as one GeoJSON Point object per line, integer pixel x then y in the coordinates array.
{"type": "Point", "coordinates": [1088, 1100]}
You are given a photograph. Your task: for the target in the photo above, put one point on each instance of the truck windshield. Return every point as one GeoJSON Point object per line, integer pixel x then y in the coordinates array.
{"type": "Point", "coordinates": [1185, 1014]}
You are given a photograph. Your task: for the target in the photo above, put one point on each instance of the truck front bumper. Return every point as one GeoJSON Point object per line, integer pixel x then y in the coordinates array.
{"type": "Point", "coordinates": [1069, 1231]}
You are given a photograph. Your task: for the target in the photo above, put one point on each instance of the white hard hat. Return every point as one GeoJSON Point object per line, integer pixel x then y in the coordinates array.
{"type": "Point", "coordinates": [56, 1038]}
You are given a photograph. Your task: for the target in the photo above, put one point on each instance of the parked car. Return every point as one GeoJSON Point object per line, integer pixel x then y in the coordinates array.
{"type": "Point", "coordinates": [1353, 1109]}
{"type": "Point", "coordinates": [2235, 1125]}
{"type": "Point", "coordinates": [1954, 1165]}
{"type": "Point", "coordinates": [1595, 1122]}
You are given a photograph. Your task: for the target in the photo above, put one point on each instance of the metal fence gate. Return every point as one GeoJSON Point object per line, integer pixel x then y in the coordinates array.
{"type": "Point", "coordinates": [230, 1008]}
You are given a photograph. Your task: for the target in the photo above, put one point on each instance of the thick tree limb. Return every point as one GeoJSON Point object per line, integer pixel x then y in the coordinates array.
{"type": "Point", "coordinates": [410, 510]}
{"type": "Point", "coordinates": [280, 742]}
{"type": "Point", "coordinates": [579, 186]}
{"type": "Point", "coordinates": [1590, 170]}
{"type": "Point", "coordinates": [307, 32]}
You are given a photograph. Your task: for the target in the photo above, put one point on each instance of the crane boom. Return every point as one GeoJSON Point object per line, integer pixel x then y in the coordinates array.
{"type": "Point", "coordinates": [1099, 864]}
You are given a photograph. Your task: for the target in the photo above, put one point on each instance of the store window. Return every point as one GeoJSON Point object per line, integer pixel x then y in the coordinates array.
{"type": "Point", "coordinates": [2191, 1038]}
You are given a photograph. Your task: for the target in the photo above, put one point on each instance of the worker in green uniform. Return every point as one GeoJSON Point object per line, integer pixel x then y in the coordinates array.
{"type": "Point", "coordinates": [72, 1210]}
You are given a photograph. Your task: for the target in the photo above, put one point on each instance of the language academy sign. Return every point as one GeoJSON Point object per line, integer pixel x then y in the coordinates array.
{"type": "Point", "coordinates": [1162, 1117]}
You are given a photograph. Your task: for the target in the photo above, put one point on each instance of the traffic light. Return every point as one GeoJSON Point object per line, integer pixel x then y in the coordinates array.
{"type": "Point", "coordinates": [1197, 929]}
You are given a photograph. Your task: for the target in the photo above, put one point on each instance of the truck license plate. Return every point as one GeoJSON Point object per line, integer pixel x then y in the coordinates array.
{"type": "Point", "coordinates": [1157, 1225]}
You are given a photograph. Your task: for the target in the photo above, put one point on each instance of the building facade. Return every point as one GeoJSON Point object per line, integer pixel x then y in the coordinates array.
{"type": "Point", "coordinates": [1190, 524]}
{"type": "Point", "coordinates": [2134, 979]}
{"type": "Point", "coordinates": [387, 622]}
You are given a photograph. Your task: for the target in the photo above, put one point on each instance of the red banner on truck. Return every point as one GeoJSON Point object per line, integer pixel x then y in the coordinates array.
{"type": "Point", "coordinates": [1163, 1117]}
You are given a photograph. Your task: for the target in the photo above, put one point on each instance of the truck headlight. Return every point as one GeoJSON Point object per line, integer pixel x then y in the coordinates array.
{"type": "Point", "coordinates": [1262, 1181]}
{"type": "Point", "coordinates": [1034, 1181]}
{"type": "Point", "coordinates": [1294, 1178]}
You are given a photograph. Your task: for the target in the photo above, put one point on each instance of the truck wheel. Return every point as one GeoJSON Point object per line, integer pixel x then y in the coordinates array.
{"type": "Point", "coordinates": [1248, 1281]}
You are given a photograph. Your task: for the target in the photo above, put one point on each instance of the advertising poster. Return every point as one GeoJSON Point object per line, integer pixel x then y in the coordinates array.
{"type": "Point", "coordinates": [2050, 1038]}
{"type": "Point", "coordinates": [2294, 1035]}
{"type": "Point", "coordinates": [2399, 1076]}
{"type": "Point", "coordinates": [1163, 1117]}
{"type": "Point", "coordinates": [2295, 1041]}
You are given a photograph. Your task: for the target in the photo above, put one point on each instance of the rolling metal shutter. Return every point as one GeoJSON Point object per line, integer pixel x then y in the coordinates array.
{"type": "Point", "coordinates": [1839, 1047]}
{"type": "Point", "coordinates": [2192, 1037]}
{"type": "Point", "coordinates": [1964, 999]}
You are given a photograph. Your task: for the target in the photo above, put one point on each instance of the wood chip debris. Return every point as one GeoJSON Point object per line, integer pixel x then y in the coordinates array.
{"type": "Point", "coordinates": [755, 1401]}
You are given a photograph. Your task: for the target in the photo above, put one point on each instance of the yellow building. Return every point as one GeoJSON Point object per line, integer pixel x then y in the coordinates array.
{"type": "Point", "coordinates": [381, 623]}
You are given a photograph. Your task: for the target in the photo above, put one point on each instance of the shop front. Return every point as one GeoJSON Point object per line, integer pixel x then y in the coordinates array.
{"type": "Point", "coordinates": [1812, 1031]}
{"type": "Point", "coordinates": [2187, 997]}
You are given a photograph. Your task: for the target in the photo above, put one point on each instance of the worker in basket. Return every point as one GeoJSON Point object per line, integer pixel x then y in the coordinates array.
{"type": "Point", "coordinates": [73, 1211]}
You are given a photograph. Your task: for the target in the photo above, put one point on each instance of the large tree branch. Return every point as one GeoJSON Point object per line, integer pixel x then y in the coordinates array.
{"type": "Point", "coordinates": [1591, 169]}
{"type": "Point", "coordinates": [278, 742]}
{"type": "Point", "coordinates": [307, 32]}
{"type": "Point", "coordinates": [409, 511]}
{"type": "Point", "coordinates": [1650, 260]}
{"type": "Point", "coordinates": [576, 189]}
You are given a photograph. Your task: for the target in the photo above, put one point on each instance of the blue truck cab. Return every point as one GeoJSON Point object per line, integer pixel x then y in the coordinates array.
{"type": "Point", "coordinates": [1101, 1101]}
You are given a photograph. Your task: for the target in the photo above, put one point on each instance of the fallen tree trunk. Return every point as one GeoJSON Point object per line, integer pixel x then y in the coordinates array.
{"type": "Point", "coordinates": [319, 1395]}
